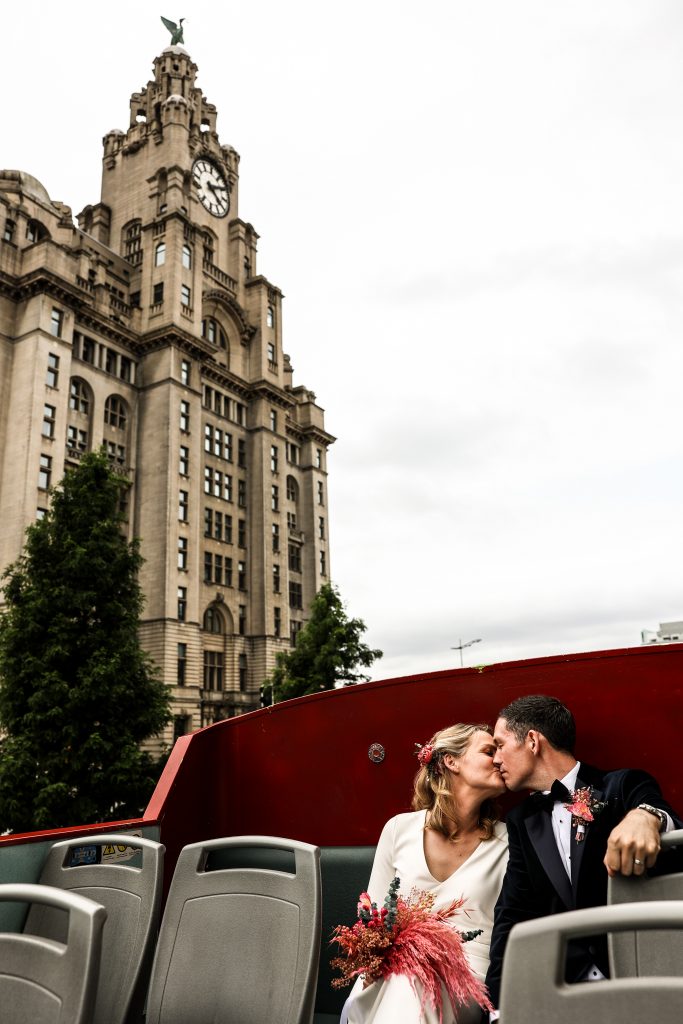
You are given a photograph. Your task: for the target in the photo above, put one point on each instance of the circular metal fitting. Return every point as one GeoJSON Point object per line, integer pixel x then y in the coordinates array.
{"type": "Point", "coordinates": [376, 753]}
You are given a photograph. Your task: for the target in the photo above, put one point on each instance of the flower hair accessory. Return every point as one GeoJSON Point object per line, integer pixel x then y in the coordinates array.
{"type": "Point", "coordinates": [429, 758]}
{"type": "Point", "coordinates": [584, 808]}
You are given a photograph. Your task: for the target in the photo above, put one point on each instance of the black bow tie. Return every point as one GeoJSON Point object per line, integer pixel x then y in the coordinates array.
{"type": "Point", "coordinates": [558, 794]}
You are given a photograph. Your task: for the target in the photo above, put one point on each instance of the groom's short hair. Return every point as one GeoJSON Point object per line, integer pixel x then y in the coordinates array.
{"type": "Point", "coordinates": [546, 715]}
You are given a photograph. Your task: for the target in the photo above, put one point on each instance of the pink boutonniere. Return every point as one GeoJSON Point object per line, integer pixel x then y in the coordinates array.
{"type": "Point", "coordinates": [584, 808]}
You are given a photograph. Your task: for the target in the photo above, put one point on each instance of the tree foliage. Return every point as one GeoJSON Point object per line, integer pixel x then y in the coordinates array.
{"type": "Point", "coordinates": [77, 692]}
{"type": "Point", "coordinates": [328, 651]}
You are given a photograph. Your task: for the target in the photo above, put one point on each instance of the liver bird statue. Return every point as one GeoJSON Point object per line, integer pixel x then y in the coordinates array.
{"type": "Point", "coordinates": [175, 30]}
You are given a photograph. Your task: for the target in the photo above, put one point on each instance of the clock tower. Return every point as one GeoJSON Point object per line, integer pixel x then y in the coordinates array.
{"type": "Point", "coordinates": [169, 351]}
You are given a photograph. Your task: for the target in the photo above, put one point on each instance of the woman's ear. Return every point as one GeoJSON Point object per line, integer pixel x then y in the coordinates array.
{"type": "Point", "coordinates": [451, 763]}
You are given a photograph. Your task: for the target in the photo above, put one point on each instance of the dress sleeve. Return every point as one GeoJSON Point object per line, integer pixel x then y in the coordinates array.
{"type": "Point", "coordinates": [383, 870]}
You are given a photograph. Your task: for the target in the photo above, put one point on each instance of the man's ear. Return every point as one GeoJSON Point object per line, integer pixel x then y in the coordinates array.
{"type": "Point", "coordinates": [534, 740]}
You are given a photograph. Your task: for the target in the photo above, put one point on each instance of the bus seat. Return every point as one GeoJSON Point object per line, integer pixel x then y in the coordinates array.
{"type": "Point", "coordinates": [129, 889]}
{"type": "Point", "coordinates": [635, 954]}
{"type": "Point", "coordinates": [42, 980]}
{"type": "Point", "coordinates": [240, 934]}
{"type": "Point", "coordinates": [533, 986]}
{"type": "Point", "coordinates": [345, 873]}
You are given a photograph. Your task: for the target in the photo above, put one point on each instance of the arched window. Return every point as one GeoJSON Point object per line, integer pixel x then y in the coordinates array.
{"type": "Point", "coordinates": [36, 232]}
{"type": "Point", "coordinates": [160, 254]}
{"type": "Point", "coordinates": [115, 412]}
{"type": "Point", "coordinates": [213, 620]}
{"type": "Point", "coordinates": [79, 396]}
{"type": "Point", "coordinates": [187, 257]}
{"type": "Point", "coordinates": [292, 489]}
{"type": "Point", "coordinates": [213, 332]}
{"type": "Point", "coordinates": [270, 316]}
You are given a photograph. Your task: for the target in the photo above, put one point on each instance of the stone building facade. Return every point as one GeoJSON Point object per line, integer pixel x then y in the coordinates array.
{"type": "Point", "coordinates": [145, 327]}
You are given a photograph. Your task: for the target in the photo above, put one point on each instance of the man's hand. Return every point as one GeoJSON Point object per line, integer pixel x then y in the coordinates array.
{"type": "Point", "coordinates": [633, 845]}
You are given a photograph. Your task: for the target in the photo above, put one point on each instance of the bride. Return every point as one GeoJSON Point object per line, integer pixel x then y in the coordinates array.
{"type": "Point", "coordinates": [451, 844]}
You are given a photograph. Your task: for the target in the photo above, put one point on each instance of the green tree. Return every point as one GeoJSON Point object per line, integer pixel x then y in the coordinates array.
{"type": "Point", "coordinates": [77, 692]}
{"type": "Point", "coordinates": [328, 651]}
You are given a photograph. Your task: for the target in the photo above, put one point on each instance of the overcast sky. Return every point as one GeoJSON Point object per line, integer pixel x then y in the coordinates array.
{"type": "Point", "coordinates": [474, 211]}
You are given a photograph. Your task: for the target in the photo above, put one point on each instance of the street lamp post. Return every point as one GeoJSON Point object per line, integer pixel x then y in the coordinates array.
{"type": "Point", "coordinates": [461, 646]}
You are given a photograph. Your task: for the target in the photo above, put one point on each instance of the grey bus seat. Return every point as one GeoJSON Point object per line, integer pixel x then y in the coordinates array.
{"type": "Point", "coordinates": [240, 934]}
{"type": "Point", "coordinates": [130, 891]}
{"type": "Point", "coordinates": [533, 986]}
{"type": "Point", "coordinates": [634, 954]}
{"type": "Point", "coordinates": [43, 981]}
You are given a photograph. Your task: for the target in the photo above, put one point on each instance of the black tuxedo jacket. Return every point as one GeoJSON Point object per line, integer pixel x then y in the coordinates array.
{"type": "Point", "coordinates": [536, 882]}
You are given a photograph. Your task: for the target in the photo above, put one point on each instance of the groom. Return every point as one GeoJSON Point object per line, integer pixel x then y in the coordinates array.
{"type": "Point", "coordinates": [559, 858]}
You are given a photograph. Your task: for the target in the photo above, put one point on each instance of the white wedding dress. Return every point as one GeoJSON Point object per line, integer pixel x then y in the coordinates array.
{"type": "Point", "coordinates": [400, 851]}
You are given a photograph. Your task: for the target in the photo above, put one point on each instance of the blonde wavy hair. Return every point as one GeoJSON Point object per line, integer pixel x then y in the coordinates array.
{"type": "Point", "coordinates": [433, 793]}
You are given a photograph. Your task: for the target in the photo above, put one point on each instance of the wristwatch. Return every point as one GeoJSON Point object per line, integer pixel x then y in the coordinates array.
{"type": "Point", "coordinates": [658, 813]}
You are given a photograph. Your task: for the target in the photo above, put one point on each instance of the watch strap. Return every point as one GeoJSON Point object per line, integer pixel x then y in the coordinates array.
{"type": "Point", "coordinates": [657, 812]}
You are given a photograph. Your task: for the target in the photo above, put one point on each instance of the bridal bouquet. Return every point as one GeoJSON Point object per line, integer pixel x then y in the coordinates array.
{"type": "Point", "coordinates": [407, 936]}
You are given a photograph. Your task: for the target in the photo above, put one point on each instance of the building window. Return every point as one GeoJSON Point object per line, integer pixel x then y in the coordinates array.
{"type": "Point", "coordinates": [277, 615]}
{"type": "Point", "coordinates": [182, 724]}
{"type": "Point", "coordinates": [276, 579]}
{"type": "Point", "coordinates": [227, 487]}
{"type": "Point", "coordinates": [242, 453]}
{"type": "Point", "coordinates": [271, 354]}
{"type": "Point", "coordinates": [208, 567]}
{"type": "Point", "coordinates": [52, 378]}
{"type": "Point", "coordinates": [323, 564]}
{"type": "Point", "coordinates": [213, 332]}
{"type": "Point", "coordinates": [270, 316]}
{"type": "Point", "coordinates": [158, 293]}
{"type": "Point", "coordinates": [294, 630]}
{"type": "Point", "coordinates": [76, 439]}
{"type": "Point", "coordinates": [10, 227]}
{"type": "Point", "coordinates": [294, 557]}
{"type": "Point", "coordinates": [111, 361]}
{"type": "Point", "coordinates": [293, 454]}
{"type": "Point", "coordinates": [182, 604]}
{"type": "Point", "coordinates": [242, 493]}
{"type": "Point", "coordinates": [292, 489]}
{"type": "Point", "coordinates": [182, 553]}
{"type": "Point", "coordinates": [56, 322]}
{"type": "Point", "coordinates": [242, 620]}
{"type": "Point", "coordinates": [185, 417]}
{"type": "Point", "coordinates": [116, 453]}
{"type": "Point", "coordinates": [273, 419]}
{"type": "Point", "coordinates": [213, 670]}
{"type": "Point", "coordinates": [241, 533]}
{"type": "Point", "coordinates": [160, 254]}
{"type": "Point", "coordinates": [321, 527]}
{"type": "Point", "coordinates": [242, 575]}
{"type": "Point", "coordinates": [88, 350]}
{"type": "Point", "coordinates": [126, 369]}
{"type": "Point", "coordinates": [291, 520]}
{"type": "Point", "coordinates": [187, 257]}
{"type": "Point", "coordinates": [78, 397]}
{"type": "Point", "coordinates": [275, 498]}
{"type": "Point", "coordinates": [273, 458]}
{"type": "Point", "coordinates": [45, 474]}
{"type": "Point", "coordinates": [41, 513]}
{"type": "Point", "coordinates": [115, 412]}
{"type": "Point", "coordinates": [184, 461]}
{"type": "Point", "coordinates": [182, 663]}
{"type": "Point", "coordinates": [242, 662]}
{"type": "Point", "coordinates": [49, 413]}
{"type": "Point", "coordinates": [213, 620]}
{"type": "Point", "coordinates": [185, 295]}
{"type": "Point", "coordinates": [183, 506]}
{"type": "Point", "coordinates": [276, 537]}
{"type": "Point", "coordinates": [208, 522]}
{"type": "Point", "coordinates": [295, 595]}
{"type": "Point", "coordinates": [321, 493]}
{"type": "Point", "coordinates": [185, 368]}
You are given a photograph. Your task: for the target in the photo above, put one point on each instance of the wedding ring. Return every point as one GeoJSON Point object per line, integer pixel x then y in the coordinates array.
{"type": "Point", "coordinates": [638, 862]}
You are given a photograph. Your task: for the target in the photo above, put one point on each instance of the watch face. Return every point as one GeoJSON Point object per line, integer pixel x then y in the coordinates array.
{"type": "Point", "coordinates": [212, 188]}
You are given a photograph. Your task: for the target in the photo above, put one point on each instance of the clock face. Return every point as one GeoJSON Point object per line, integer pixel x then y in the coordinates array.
{"type": "Point", "coordinates": [212, 188]}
